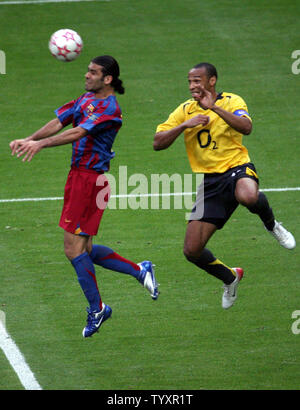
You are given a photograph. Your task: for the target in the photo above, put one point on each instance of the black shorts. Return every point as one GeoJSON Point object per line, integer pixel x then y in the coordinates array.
{"type": "Point", "coordinates": [215, 201]}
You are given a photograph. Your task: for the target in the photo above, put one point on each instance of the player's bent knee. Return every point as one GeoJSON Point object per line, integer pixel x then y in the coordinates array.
{"type": "Point", "coordinates": [191, 254]}
{"type": "Point", "coordinates": [69, 252]}
{"type": "Point", "coordinates": [74, 245]}
{"type": "Point", "coordinates": [247, 198]}
{"type": "Point", "coordinates": [246, 192]}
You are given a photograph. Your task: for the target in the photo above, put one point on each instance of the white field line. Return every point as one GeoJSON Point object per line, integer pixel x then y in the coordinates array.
{"type": "Point", "coordinates": [46, 1]}
{"type": "Point", "coordinates": [58, 198]}
{"type": "Point", "coordinates": [17, 360]}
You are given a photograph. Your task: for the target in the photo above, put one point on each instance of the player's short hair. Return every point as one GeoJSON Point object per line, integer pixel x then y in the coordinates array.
{"type": "Point", "coordinates": [111, 67]}
{"type": "Point", "coordinates": [210, 69]}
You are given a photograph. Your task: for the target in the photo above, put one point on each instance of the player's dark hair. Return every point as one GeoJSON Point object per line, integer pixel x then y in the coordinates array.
{"type": "Point", "coordinates": [111, 67]}
{"type": "Point", "coordinates": [210, 69]}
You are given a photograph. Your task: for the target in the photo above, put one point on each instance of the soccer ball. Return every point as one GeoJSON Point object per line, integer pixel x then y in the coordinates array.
{"type": "Point", "coordinates": [65, 44]}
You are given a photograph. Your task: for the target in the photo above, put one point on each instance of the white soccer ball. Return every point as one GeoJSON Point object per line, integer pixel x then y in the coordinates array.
{"type": "Point", "coordinates": [65, 44]}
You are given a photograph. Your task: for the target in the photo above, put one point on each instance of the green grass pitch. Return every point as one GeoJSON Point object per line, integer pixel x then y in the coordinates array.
{"type": "Point", "coordinates": [183, 341]}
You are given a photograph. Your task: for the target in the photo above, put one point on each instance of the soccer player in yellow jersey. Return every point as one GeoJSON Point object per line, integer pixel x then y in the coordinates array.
{"type": "Point", "coordinates": [213, 125]}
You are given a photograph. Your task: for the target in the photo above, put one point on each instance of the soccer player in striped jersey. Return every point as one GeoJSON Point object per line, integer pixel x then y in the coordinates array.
{"type": "Point", "coordinates": [213, 125]}
{"type": "Point", "coordinates": [96, 119]}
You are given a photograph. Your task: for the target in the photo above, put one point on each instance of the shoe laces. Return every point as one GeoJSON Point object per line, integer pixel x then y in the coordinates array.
{"type": "Point", "coordinates": [280, 231]}
{"type": "Point", "coordinates": [229, 289]}
{"type": "Point", "coordinates": [226, 288]}
{"type": "Point", "coordinates": [91, 317]}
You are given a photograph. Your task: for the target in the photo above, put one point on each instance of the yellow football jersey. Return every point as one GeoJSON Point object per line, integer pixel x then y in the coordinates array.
{"type": "Point", "coordinates": [214, 147]}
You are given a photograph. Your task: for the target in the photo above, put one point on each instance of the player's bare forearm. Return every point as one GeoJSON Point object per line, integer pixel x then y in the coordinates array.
{"type": "Point", "coordinates": [164, 139]}
{"type": "Point", "coordinates": [30, 148]}
{"type": "Point", "coordinates": [207, 101]}
{"type": "Point", "coordinates": [51, 128]}
{"type": "Point", "coordinates": [240, 124]}
{"type": "Point", "coordinates": [64, 137]}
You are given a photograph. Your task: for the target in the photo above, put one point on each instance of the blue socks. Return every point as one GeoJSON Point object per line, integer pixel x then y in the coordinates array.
{"type": "Point", "coordinates": [85, 270]}
{"type": "Point", "coordinates": [108, 259]}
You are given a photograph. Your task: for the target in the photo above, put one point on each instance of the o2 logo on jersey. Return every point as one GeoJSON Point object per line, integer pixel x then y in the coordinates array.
{"type": "Point", "coordinates": [2, 62]}
{"type": "Point", "coordinates": [296, 63]}
{"type": "Point", "coordinates": [205, 140]}
{"type": "Point", "coordinates": [296, 324]}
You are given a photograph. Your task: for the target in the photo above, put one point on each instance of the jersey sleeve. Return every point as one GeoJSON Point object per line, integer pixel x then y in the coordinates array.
{"type": "Point", "coordinates": [65, 113]}
{"type": "Point", "coordinates": [102, 114]}
{"type": "Point", "coordinates": [239, 107]}
{"type": "Point", "coordinates": [176, 118]}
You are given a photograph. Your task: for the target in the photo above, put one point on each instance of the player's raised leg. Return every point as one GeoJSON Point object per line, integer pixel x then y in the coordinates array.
{"type": "Point", "coordinates": [144, 272]}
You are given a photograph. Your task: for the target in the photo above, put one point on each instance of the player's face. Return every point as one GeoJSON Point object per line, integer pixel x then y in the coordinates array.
{"type": "Point", "coordinates": [94, 78]}
{"type": "Point", "coordinates": [197, 79]}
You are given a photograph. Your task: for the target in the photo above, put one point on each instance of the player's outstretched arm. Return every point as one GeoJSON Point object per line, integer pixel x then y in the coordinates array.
{"type": "Point", "coordinates": [30, 148]}
{"type": "Point", "coordinates": [51, 128]}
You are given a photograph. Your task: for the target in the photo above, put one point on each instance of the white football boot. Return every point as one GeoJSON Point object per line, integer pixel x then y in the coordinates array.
{"type": "Point", "coordinates": [230, 291]}
{"type": "Point", "coordinates": [283, 236]}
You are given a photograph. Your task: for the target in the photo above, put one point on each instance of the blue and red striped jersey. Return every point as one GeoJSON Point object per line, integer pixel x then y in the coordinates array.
{"type": "Point", "coordinates": [102, 118]}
